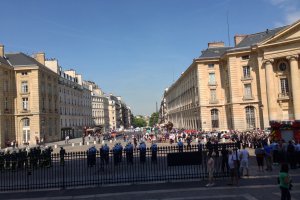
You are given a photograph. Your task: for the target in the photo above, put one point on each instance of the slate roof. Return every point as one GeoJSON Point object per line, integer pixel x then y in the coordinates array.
{"type": "Point", "coordinates": [21, 59]}
{"type": "Point", "coordinates": [3, 60]}
{"type": "Point", "coordinates": [258, 37]}
{"type": "Point", "coordinates": [214, 52]}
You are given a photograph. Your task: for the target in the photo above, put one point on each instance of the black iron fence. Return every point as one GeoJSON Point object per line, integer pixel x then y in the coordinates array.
{"type": "Point", "coordinates": [76, 169]}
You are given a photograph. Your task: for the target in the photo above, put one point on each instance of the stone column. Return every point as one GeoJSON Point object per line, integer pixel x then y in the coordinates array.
{"type": "Point", "coordinates": [295, 85]}
{"type": "Point", "coordinates": [271, 98]}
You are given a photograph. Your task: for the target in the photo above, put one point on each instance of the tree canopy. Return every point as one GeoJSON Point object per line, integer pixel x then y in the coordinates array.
{"type": "Point", "coordinates": [153, 119]}
{"type": "Point", "coordinates": [139, 122]}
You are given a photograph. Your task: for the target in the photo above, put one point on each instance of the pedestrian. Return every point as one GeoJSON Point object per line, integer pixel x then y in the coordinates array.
{"type": "Point", "coordinates": [244, 158]}
{"type": "Point", "coordinates": [260, 153]}
{"type": "Point", "coordinates": [233, 168]}
{"type": "Point", "coordinates": [180, 146]}
{"type": "Point", "coordinates": [268, 156]}
{"type": "Point", "coordinates": [210, 170]}
{"type": "Point", "coordinates": [285, 182]}
{"type": "Point", "coordinates": [224, 153]}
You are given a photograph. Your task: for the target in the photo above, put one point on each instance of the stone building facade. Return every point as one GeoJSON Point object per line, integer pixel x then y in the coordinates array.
{"type": "Point", "coordinates": [30, 99]}
{"type": "Point", "coordinates": [75, 101]}
{"type": "Point", "coordinates": [241, 87]}
{"type": "Point", "coordinates": [100, 106]}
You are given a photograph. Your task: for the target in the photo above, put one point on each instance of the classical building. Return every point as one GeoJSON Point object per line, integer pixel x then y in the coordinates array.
{"type": "Point", "coordinates": [241, 87]}
{"type": "Point", "coordinates": [30, 101]}
{"type": "Point", "coordinates": [7, 96]}
{"type": "Point", "coordinates": [100, 105]}
{"type": "Point", "coordinates": [75, 101]}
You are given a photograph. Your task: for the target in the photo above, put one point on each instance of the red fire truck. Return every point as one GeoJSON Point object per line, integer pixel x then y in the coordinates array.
{"type": "Point", "coordinates": [286, 130]}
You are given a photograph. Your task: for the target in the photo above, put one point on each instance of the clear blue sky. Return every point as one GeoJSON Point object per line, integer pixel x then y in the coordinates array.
{"type": "Point", "coordinates": [132, 48]}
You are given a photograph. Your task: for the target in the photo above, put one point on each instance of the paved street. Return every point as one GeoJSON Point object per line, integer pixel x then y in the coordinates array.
{"type": "Point", "coordinates": [252, 188]}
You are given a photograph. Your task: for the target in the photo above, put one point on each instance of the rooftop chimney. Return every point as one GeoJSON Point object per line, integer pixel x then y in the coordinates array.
{"type": "Point", "coordinates": [238, 39]}
{"type": "Point", "coordinates": [1, 50]}
{"type": "Point", "coordinates": [216, 44]}
{"type": "Point", "coordinates": [40, 57]}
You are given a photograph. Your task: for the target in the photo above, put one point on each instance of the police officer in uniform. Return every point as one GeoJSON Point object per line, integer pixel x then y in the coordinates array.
{"type": "Point", "coordinates": [104, 154]}
{"type": "Point", "coordinates": [91, 156]}
{"type": "Point", "coordinates": [153, 152]}
{"type": "Point", "coordinates": [7, 159]}
{"type": "Point", "coordinates": [116, 154]}
{"type": "Point", "coordinates": [142, 149]}
{"type": "Point", "coordinates": [62, 153]}
{"type": "Point", "coordinates": [14, 160]}
{"type": "Point", "coordinates": [129, 152]}
{"type": "Point", "coordinates": [2, 161]}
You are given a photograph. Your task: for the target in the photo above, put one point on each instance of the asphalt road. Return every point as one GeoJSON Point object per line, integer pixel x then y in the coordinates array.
{"type": "Point", "coordinates": [253, 188]}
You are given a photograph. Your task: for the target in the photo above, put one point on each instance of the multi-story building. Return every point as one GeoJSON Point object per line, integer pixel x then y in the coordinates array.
{"type": "Point", "coordinates": [33, 112]}
{"type": "Point", "coordinates": [126, 115]}
{"type": "Point", "coordinates": [240, 87]}
{"type": "Point", "coordinates": [115, 112]}
{"type": "Point", "coordinates": [100, 105]}
{"type": "Point", "coordinates": [7, 96]}
{"type": "Point", "coordinates": [75, 101]}
{"type": "Point", "coordinates": [163, 109]}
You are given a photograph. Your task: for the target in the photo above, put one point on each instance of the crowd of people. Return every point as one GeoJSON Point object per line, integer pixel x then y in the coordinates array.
{"type": "Point", "coordinates": [14, 158]}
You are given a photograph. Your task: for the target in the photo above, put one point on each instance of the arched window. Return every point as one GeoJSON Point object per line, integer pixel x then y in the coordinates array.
{"type": "Point", "coordinates": [250, 117]}
{"type": "Point", "coordinates": [214, 118]}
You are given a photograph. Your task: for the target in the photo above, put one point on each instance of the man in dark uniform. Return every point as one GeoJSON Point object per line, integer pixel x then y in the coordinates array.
{"type": "Point", "coordinates": [129, 153]}
{"type": "Point", "coordinates": [14, 160]}
{"type": "Point", "coordinates": [2, 160]}
{"type": "Point", "coordinates": [91, 156]}
{"type": "Point", "coordinates": [62, 153]}
{"type": "Point", "coordinates": [142, 149]}
{"type": "Point", "coordinates": [116, 154]}
{"type": "Point", "coordinates": [153, 152]}
{"type": "Point", "coordinates": [104, 154]}
{"type": "Point", "coordinates": [7, 158]}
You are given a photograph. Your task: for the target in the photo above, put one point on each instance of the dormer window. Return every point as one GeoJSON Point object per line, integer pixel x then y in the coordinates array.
{"type": "Point", "coordinates": [246, 57]}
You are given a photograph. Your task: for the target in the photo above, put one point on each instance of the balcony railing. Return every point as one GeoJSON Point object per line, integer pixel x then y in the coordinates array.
{"type": "Point", "coordinates": [212, 83]}
{"type": "Point", "coordinates": [246, 78]}
{"type": "Point", "coordinates": [25, 111]}
{"type": "Point", "coordinates": [285, 95]}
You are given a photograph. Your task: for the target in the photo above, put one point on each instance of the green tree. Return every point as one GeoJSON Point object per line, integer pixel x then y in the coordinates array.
{"type": "Point", "coordinates": [139, 122]}
{"type": "Point", "coordinates": [153, 119]}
